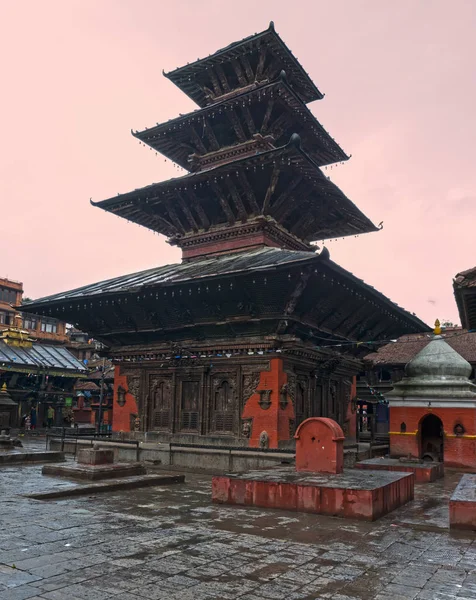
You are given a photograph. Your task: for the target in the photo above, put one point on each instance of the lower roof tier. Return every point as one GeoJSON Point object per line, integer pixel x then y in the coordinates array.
{"type": "Point", "coordinates": [284, 184]}
{"type": "Point", "coordinates": [267, 292]}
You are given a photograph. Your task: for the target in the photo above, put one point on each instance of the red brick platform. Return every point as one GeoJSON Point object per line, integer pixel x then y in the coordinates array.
{"type": "Point", "coordinates": [357, 494]}
{"type": "Point", "coordinates": [424, 472]}
{"type": "Point", "coordinates": [463, 504]}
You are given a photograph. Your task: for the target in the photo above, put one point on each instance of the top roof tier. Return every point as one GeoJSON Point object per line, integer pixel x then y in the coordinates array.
{"type": "Point", "coordinates": [243, 65]}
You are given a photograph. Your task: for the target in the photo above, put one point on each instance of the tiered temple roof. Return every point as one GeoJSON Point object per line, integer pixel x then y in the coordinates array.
{"type": "Point", "coordinates": [243, 65]}
{"type": "Point", "coordinates": [254, 120]}
{"type": "Point", "coordinates": [239, 294]}
{"type": "Point", "coordinates": [282, 184]}
{"type": "Point", "coordinates": [244, 218]}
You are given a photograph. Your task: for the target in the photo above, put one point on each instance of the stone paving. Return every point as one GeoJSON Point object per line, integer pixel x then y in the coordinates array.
{"type": "Point", "coordinates": [172, 543]}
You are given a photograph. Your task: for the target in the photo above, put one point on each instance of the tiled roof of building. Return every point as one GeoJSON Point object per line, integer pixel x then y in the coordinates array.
{"type": "Point", "coordinates": [53, 359]}
{"type": "Point", "coordinates": [407, 347]}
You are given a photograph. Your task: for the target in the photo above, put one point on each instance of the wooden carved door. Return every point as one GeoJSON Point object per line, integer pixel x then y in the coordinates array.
{"type": "Point", "coordinates": [224, 405]}
{"type": "Point", "coordinates": [190, 405]}
{"type": "Point", "coordinates": [161, 403]}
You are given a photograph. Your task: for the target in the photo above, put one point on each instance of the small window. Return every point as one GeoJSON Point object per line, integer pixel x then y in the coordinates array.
{"type": "Point", "coordinates": [29, 322]}
{"type": "Point", "coordinates": [48, 327]}
{"type": "Point", "coordinates": [403, 427]}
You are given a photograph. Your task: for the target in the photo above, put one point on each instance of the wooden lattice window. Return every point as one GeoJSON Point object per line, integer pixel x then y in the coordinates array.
{"type": "Point", "coordinates": [190, 415]}
{"type": "Point", "coordinates": [223, 407]}
{"type": "Point", "coordinates": [161, 405]}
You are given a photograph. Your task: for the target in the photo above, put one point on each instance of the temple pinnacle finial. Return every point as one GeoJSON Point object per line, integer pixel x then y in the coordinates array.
{"type": "Point", "coordinates": [4, 387]}
{"type": "Point", "coordinates": [437, 329]}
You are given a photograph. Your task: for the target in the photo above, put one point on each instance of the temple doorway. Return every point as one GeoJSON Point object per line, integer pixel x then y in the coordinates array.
{"type": "Point", "coordinates": [431, 438]}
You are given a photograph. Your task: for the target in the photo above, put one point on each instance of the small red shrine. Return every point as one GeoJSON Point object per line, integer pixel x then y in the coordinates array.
{"type": "Point", "coordinates": [433, 409]}
{"type": "Point", "coordinates": [319, 446]}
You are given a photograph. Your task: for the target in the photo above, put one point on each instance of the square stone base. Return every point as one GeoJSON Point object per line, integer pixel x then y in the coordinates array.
{"type": "Point", "coordinates": [95, 472]}
{"type": "Point", "coordinates": [463, 504]}
{"type": "Point", "coordinates": [356, 494]}
{"type": "Point", "coordinates": [424, 472]}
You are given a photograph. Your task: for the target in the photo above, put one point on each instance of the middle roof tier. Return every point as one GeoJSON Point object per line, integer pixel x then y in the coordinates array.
{"type": "Point", "coordinates": [283, 184]}
{"type": "Point", "coordinates": [257, 120]}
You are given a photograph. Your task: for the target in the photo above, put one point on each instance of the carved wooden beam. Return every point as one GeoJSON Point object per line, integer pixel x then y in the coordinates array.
{"type": "Point", "coordinates": [336, 307]}
{"type": "Point", "coordinates": [360, 324]}
{"type": "Point", "coordinates": [237, 200]}
{"type": "Point", "coordinates": [197, 140]}
{"type": "Point", "coordinates": [249, 120]}
{"type": "Point", "coordinates": [291, 205]}
{"type": "Point", "coordinates": [235, 121]}
{"type": "Point", "coordinates": [211, 136]}
{"type": "Point", "coordinates": [215, 83]}
{"type": "Point", "coordinates": [270, 191]}
{"type": "Point", "coordinates": [299, 223]}
{"type": "Point", "coordinates": [248, 70]}
{"type": "Point", "coordinates": [149, 210]}
{"type": "Point", "coordinates": [267, 116]}
{"type": "Point", "coordinates": [207, 92]}
{"type": "Point", "coordinates": [223, 80]}
{"type": "Point", "coordinates": [297, 292]}
{"type": "Point", "coordinates": [349, 318]}
{"type": "Point", "coordinates": [279, 125]}
{"type": "Point", "coordinates": [248, 191]}
{"type": "Point", "coordinates": [273, 69]}
{"type": "Point", "coordinates": [197, 206]}
{"type": "Point", "coordinates": [223, 203]}
{"type": "Point", "coordinates": [174, 217]}
{"type": "Point", "coordinates": [285, 194]}
{"type": "Point", "coordinates": [239, 72]}
{"type": "Point", "coordinates": [261, 61]}
{"type": "Point", "coordinates": [187, 212]}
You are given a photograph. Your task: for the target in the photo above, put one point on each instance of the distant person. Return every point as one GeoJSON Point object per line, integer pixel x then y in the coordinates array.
{"type": "Point", "coordinates": [50, 417]}
{"type": "Point", "coordinates": [27, 423]}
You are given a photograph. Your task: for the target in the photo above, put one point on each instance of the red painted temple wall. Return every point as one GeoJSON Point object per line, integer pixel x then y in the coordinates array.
{"type": "Point", "coordinates": [274, 420]}
{"type": "Point", "coordinates": [459, 450]}
{"type": "Point", "coordinates": [121, 415]}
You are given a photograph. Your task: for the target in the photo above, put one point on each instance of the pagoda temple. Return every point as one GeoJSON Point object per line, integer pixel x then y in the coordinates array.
{"type": "Point", "coordinates": [256, 329]}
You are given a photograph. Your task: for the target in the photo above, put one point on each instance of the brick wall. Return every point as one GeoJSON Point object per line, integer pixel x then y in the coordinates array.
{"type": "Point", "coordinates": [121, 415]}
{"type": "Point", "coordinates": [274, 420]}
{"type": "Point", "coordinates": [459, 450]}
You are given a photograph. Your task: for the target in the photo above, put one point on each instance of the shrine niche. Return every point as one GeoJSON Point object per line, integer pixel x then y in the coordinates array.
{"type": "Point", "coordinates": [121, 396]}
{"type": "Point", "coordinates": [160, 402]}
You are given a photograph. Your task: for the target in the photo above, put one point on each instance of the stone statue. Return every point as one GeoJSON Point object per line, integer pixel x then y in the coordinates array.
{"type": "Point", "coordinates": [263, 440]}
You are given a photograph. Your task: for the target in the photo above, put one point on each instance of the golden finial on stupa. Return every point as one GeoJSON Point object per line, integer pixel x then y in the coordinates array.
{"type": "Point", "coordinates": [4, 387]}
{"type": "Point", "coordinates": [437, 329]}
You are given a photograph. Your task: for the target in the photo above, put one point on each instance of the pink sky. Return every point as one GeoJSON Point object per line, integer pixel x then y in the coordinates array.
{"type": "Point", "coordinates": [400, 87]}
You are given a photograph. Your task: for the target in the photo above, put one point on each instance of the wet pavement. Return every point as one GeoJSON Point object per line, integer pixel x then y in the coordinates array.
{"type": "Point", "coordinates": [173, 543]}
